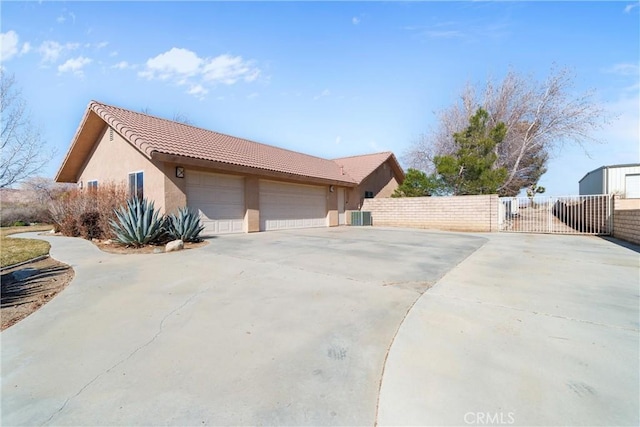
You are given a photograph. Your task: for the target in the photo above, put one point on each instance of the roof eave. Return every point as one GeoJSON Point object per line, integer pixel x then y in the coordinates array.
{"type": "Point", "coordinates": [86, 135]}
{"type": "Point", "coordinates": [240, 169]}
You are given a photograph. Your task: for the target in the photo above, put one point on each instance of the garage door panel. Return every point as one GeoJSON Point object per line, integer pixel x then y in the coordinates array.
{"type": "Point", "coordinates": [284, 206]}
{"type": "Point", "coordinates": [219, 200]}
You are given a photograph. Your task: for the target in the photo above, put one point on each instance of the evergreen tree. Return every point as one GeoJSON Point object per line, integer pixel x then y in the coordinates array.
{"type": "Point", "coordinates": [471, 169]}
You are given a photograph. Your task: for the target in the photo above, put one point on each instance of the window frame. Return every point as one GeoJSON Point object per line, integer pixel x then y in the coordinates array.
{"type": "Point", "coordinates": [136, 184]}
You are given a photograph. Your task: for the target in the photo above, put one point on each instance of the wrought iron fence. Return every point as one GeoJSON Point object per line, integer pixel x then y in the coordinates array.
{"type": "Point", "coordinates": [560, 215]}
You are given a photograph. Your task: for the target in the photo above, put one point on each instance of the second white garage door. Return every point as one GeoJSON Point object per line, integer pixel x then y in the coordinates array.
{"type": "Point", "coordinates": [284, 205]}
{"type": "Point", "coordinates": [219, 199]}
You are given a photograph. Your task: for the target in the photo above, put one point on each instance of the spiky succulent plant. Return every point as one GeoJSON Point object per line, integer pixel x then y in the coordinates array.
{"type": "Point", "coordinates": [137, 223]}
{"type": "Point", "coordinates": [185, 225]}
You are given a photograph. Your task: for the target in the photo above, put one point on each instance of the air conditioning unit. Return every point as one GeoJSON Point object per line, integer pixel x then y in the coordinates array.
{"type": "Point", "coordinates": [359, 218]}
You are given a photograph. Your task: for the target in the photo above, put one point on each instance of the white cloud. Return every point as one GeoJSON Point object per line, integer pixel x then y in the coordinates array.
{"type": "Point", "coordinates": [185, 67]}
{"type": "Point", "coordinates": [8, 45]}
{"type": "Point", "coordinates": [51, 50]}
{"type": "Point", "coordinates": [625, 69]}
{"type": "Point", "coordinates": [175, 62]}
{"type": "Point", "coordinates": [122, 65]}
{"type": "Point", "coordinates": [102, 44]}
{"type": "Point", "coordinates": [63, 18]}
{"type": "Point", "coordinates": [338, 140]}
{"type": "Point", "coordinates": [253, 95]}
{"type": "Point", "coordinates": [628, 8]}
{"type": "Point", "coordinates": [355, 20]}
{"type": "Point", "coordinates": [324, 93]}
{"type": "Point", "coordinates": [229, 69]}
{"type": "Point", "coordinates": [198, 91]}
{"type": "Point", "coordinates": [26, 48]}
{"type": "Point", "coordinates": [74, 65]}
{"type": "Point", "coordinates": [114, 53]}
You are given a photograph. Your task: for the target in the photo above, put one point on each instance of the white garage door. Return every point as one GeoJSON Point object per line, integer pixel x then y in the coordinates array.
{"type": "Point", "coordinates": [632, 186]}
{"type": "Point", "coordinates": [284, 205]}
{"type": "Point", "coordinates": [219, 199]}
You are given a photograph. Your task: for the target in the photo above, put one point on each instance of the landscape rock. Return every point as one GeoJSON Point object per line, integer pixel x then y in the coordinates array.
{"type": "Point", "coordinates": [174, 245]}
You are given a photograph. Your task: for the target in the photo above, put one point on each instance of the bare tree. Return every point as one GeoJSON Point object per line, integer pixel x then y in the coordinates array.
{"type": "Point", "coordinates": [540, 117]}
{"type": "Point", "coordinates": [182, 118]}
{"type": "Point", "coordinates": [23, 150]}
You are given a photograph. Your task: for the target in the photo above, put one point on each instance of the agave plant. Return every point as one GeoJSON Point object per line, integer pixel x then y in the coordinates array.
{"type": "Point", "coordinates": [137, 223]}
{"type": "Point", "coordinates": [185, 225]}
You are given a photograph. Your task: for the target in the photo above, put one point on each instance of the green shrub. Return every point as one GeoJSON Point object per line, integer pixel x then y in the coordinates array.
{"type": "Point", "coordinates": [185, 225]}
{"type": "Point", "coordinates": [19, 224]}
{"type": "Point", "coordinates": [138, 223]}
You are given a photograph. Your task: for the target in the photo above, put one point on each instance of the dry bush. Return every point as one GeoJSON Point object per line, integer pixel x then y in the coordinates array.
{"type": "Point", "coordinates": [110, 197]}
{"type": "Point", "coordinates": [86, 212]}
{"type": "Point", "coordinates": [12, 213]}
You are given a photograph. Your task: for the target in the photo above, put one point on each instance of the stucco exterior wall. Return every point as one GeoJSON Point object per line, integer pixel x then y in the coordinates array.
{"type": "Point", "coordinates": [332, 207]}
{"type": "Point", "coordinates": [381, 182]}
{"type": "Point", "coordinates": [175, 189]}
{"type": "Point", "coordinates": [252, 204]}
{"type": "Point", "coordinates": [113, 158]}
{"type": "Point", "coordinates": [459, 213]}
{"type": "Point", "coordinates": [625, 204]}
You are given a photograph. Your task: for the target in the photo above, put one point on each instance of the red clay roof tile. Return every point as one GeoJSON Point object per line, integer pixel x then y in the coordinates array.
{"type": "Point", "coordinates": [151, 134]}
{"type": "Point", "coordinates": [360, 167]}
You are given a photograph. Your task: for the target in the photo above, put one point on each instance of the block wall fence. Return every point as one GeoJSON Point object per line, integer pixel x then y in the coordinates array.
{"type": "Point", "coordinates": [626, 220]}
{"type": "Point", "coordinates": [476, 213]}
{"type": "Point", "coordinates": [459, 213]}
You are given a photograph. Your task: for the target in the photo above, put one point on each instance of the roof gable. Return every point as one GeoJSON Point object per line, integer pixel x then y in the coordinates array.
{"type": "Point", "coordinates": [154, 136]}
{"type": "Point", "coordinates": [360, 167]}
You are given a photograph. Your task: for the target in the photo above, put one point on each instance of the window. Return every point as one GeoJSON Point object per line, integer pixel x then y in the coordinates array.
{"type": "Point", "coordinates": [136, 184]}
{"type": "Point", "coordinates": [92, 185]}
{"type": "Point", "coordinates": [368, 194]}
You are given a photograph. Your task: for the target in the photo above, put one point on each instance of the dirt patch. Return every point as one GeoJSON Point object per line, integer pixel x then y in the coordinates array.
{"type": "Point", "coordinates": [30, 286]}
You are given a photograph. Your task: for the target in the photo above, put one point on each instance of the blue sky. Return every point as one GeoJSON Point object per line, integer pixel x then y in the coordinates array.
{"type": "Point", "coordinates": [330, 79]}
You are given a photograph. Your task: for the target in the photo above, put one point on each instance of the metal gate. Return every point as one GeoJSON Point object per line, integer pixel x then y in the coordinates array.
{"type": "Point", "coordinates": [559, 215]}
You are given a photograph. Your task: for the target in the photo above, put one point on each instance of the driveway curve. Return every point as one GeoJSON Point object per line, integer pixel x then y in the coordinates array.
{"type": "Point", "coordinates": [534, 330]}
{"type": "Point", "coordinates": [286, 328]}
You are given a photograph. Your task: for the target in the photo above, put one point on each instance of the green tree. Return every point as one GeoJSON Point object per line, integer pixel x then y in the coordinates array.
{"type": "Point", "coordinates": [417, 184]}
{"type": "Point", "coordinates": [540, 115]}
{"type": "Point", "coordinates": [471, 169]}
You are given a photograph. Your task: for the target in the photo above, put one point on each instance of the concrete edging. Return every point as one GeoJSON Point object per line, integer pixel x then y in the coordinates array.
{"type": "Point", "coordinates": [38, 258]}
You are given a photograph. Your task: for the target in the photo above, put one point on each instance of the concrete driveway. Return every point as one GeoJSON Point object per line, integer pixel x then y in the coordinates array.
{"type": "Point", "coordinates": [295, 327]}
{"type": "Point", "coordinates": [271, 328]}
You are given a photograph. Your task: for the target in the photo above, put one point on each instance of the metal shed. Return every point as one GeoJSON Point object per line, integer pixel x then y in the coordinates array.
{"type": "Point", "coordinates": [615, 179]}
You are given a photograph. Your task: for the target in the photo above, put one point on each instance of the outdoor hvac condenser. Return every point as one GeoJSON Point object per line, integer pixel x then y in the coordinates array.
{"type": "Point", "coordinates": [361, 218]}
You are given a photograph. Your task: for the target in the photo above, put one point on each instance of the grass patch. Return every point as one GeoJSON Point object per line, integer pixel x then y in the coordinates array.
{"type": "Point", "coordinates": [13, 251]}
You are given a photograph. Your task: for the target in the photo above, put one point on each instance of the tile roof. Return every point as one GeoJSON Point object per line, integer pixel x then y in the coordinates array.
{"type": "Point", "coordinates": [152, 134]}
{"type": "Point", "coordinates": [360, 167]}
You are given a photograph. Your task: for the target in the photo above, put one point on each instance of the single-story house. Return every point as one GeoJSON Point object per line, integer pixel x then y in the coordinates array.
{"type": "Point", "coordinates": [623, 180]}
{"type": "Point", "coordinates": [235, 184]}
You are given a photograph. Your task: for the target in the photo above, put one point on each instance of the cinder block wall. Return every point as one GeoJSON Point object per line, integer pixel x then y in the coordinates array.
{"type": "Point", "coordinates": [458, 213]}
{"type": "Point", "coordinates": [626, 225]}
